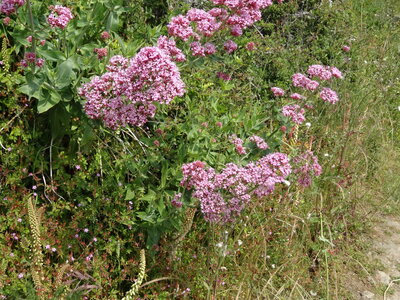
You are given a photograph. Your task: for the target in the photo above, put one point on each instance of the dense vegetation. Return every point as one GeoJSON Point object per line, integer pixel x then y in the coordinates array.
{"type": "Point", "coordinates": [133, 164]}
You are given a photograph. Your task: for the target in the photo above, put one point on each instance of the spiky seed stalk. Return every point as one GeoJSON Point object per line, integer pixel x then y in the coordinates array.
{"type": "Point", "coordinates": [142, 272]}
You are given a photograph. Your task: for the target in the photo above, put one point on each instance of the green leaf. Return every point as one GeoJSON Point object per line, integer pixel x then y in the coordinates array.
{"type": "Point", "coordinates": [52, 55]}
{"type": "Point", "coordinates": [47, 100]}
{"type": "Point", "coordinates": [150, 196]}
{"type": "Point", "coordinates": [129, 194]}
{"type": "Point", "coordinates": [64, 73]}
{"type": "Point", "coordinates": [112, 21]}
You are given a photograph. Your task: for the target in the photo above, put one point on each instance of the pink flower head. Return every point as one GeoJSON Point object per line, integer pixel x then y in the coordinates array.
{"type": "Point", "coordinates": [277, 91]}
{"type": "Point", "coordinates": [209, 48]}
{"type": "Point", "coordinates": [250, 46]}
{"type": "Point", "coordinates": [297, 96]}
{"type": "Point", "coordinates": [169, 46]}
{"type": "Point", "coordinates": [307, 166]}
{"type": "Point", "coordinates": [219, 124]}
{"type": "Point", "coordinates": [125, 94]}
{"type": "Point", "coordinates": [236, 30]}
{"type": "Point", "coordinates": [206, 24]}
{"type": "Point", "coordinates": [320, 71]}
{"type": "Point", "coordinates": [29, 39]}
{"type": "Point", "coordinates": [261, 144]}
{"type": "Point", "coordinates": [238, 144]}
{"type": "Point", "coordinates": [300, 80]}
{"type": "Point", "coordinates": [40, 62]}
{"type": "Point", "coordinates": [179, 26]}
{"type": "Point", "coordinates": [9, 7]}
{"type": "Point", "coordinates": [230, 46]}
{"type": "Point", "coordinates": [30, 57]}
{"type": "Point", "coordinates": [346, 48]}
{"type": "Point", "coordinates": [6, 21]}
{"type": "Point", "coordinates": [101, 52]}
{"type": "Point", "coordinates": [60, 16]}
{"type": "Point", "coordinates": [197, 49]}
{"type": "Point", "coordinates": [294, 112]}
{"type": "Point", "coordinates": [329, 95]}
{"type": "Point", "coordinates": [42, 42]}
{"type": "Point", "coordinates": [24, 63]}
{"type": "Point", "coordinates": [175, 201]}
{"type": "Point", "coordinates": [224, 76]}
{"type": "Point", "coordinates": [225, 194]}
{"type": "Point", "coordinates": [336, 73]}
{"type": "Point", "coordinates": [105, 35]}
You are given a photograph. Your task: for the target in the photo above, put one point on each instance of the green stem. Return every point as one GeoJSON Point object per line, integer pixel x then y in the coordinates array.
{"type": "Point", "coordinates": [32, 24]}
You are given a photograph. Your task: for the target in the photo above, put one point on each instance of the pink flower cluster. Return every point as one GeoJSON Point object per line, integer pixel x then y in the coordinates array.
{"type": "Point", "coordinates": [277, 91]}
{"type": "Point", "coordinates": [126, 93]}
{"type": "Point", "coordinates": [169, 46]}
{"type": "Point", "coordinates": [101, 52]}
{"type": "Point", "coordinates": [238, 144]}
{"type": "Point", "coordinates": [60, 16]}
{"type": "Point", "coordinates": [30, 58]}
{"type": "Point", "coordinates": [234, 15]}
{"type": "Point", "coordinates": [224, 195]}
{"type": "Point", "coordinates": [300, 80]}
{"type": "Point", "coordinates": [230, 46]}
{"type": "Point", "coordinates": [240, 14]}
{"type": "Point", "coordinates": [224, 76]}
{"type": "Point", "coordinates": [261, 144]}
{"type": "Point", "coordinates": [307, 166]}
{"type": "Point", "coordinates": [9, 7]}
{"type": "Point", "coordinates": [296, 96]}
{"type": "Point", "coordinates": [324, 72]}
{"type": "Point", "coordinates": [295, 112]}
{"type": "Point", "coordinates": [329, 95]}
{"type": "Point", "coordinates": [175, 201]}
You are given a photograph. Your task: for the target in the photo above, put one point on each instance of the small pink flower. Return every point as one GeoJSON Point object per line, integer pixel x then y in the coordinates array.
{"type": "Point", "coordinates": [6, 21]}
{"type": "Point", "coordinates": [329, 95]}
{"type": "Point", "coordinates": [105, 35]}
{"type": "Point", "coordinates": [20, 275]}
{"type": "Point", "coordinates": [297, 96]}
{"type": "Point", "coordinates": [29, 39]}
{"type": "Point", "coordinates": [175, 202]}
{"type": "Point", "coordinates": [156, 143]}
{"type": "Point", "coordinates": [346, 48]}
{"type": "Point", "coordinates": [34, 187]}
{"type": "Point", "coordinates": [219, 124]}
{"type": "Point", "coordinates": [78, 167]}
{"type": "Point", "coordinates": [30, 57]}
{"type": "Point", "coordinates": [47, 247]}
{"type": "Point", "coordinates": [42, 42]}
{"type": "Point", "coordinates": [251, 46]}
{"type": "Point", "coordinates": [40, 62]}
{"type": "Point", "coordinates": [101, 52]}
{"type": "Point", "coordinates": [230, 46]}
{"type": "Point", "coordinates": [277, 91]}
{"type": "Point", "coordinates": [224, 76]}
{"type": "Point", "coordinates": [60, 16]}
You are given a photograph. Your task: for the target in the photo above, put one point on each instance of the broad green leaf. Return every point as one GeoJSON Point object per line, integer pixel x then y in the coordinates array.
{"type": "Point", "coordinates": [64, 73]}
{"type": "Point", "coordinates": [112, 21]}
{"type": "Point", "coordinates": [52, 55]}
{"type": "Point", "coordinates": [129, 194]}
{"type": "Point", "coordinates": [47, 100]}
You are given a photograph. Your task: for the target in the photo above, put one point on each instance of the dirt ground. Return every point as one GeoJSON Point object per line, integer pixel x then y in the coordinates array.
{"type": "Point", "coordinates": [385, 251]}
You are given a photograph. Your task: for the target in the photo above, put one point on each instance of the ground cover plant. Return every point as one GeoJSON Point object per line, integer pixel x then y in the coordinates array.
{"type": "Point", "coordinates": [197, 150]}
